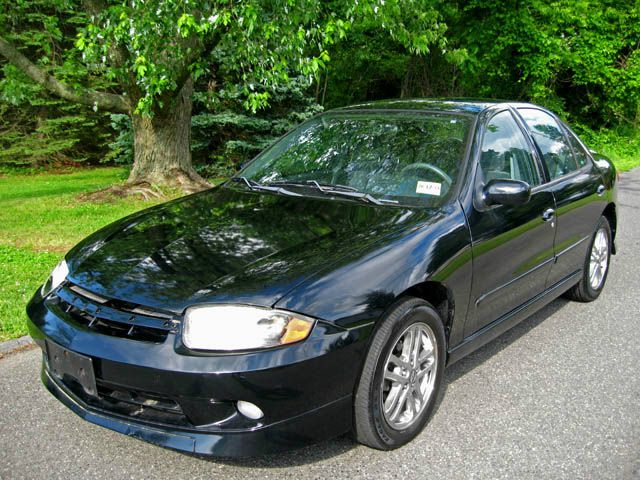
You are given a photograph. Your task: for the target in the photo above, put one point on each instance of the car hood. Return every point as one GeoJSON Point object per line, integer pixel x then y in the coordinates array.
{"type": "Point", "coordinates": [227, 244]}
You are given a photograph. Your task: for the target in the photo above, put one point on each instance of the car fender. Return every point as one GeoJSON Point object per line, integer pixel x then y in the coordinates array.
{"type": "Point", "coordinates": [363, 286]}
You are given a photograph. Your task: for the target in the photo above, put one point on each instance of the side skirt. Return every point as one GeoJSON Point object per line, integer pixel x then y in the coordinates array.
{"type": "Point", "coordinates": [511, 319]}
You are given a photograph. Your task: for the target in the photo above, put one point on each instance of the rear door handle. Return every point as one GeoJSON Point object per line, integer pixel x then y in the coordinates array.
{"type": "Point", "coordinates": [600, 190]}
{"type": "Point", "coordinates": [548, 214]}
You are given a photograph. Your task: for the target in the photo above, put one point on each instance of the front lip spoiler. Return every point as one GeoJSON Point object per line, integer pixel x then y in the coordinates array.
{"type": "Point", "coordinates": [319, 424]}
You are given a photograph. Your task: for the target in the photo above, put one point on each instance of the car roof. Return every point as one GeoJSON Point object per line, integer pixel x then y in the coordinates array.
{"type": "Point", "coordinates": [460, 105]}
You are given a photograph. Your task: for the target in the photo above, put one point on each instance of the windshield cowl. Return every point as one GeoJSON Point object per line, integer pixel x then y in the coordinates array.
{"type": "Point", "coordinates": [325, 189]}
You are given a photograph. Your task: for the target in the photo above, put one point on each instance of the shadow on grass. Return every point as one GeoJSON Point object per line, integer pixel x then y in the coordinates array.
{"type": "Point", "coordinates": [345, 443]}
{"type": "Point", "coordinates": [49, 191]}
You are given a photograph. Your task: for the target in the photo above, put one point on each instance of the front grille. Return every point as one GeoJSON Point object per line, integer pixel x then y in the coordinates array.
{"type": "Point", "coordinates": [115, 329]}
{"type": "Point", "coordinates": [113, 317]}
{"type": "Point", "coordinates": [145, 406]}
{"type": "Point", "coordinates": [150, 407]}
{"type": "Point", "coordinates": [139, 399]}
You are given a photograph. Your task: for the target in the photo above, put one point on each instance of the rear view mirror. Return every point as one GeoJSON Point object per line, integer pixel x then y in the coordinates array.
{"type": "Point", "coordinates": [506, 192]}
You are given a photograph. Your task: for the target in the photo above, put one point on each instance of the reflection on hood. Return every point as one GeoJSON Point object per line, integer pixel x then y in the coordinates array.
{"type": "Point", "coordinates": [226, 245]}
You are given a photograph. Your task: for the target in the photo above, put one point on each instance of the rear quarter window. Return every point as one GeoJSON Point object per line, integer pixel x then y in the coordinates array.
{"type": "Point", "coordinates": [582, 158]}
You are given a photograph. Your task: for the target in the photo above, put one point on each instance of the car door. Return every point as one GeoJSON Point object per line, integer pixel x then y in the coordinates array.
{"type": "Point", "coordinates": [512, 244]}
{"type": "Point", "coordinates": [576, 185]}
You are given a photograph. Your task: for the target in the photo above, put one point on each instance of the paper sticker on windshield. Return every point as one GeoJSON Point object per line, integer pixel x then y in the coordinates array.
{"type": "Point", "coordinates": [428, 188]}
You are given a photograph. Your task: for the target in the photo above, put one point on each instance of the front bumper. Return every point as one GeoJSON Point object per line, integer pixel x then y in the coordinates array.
{"type": "Point", "coordinates": [186, 401]}
{"type": "Point", "coordinates": [322, 423]}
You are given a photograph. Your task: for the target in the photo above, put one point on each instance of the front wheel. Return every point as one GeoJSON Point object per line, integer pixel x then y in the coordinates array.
{"type": "Point", "coordinates": [401, 377]}
{"type": "Point", "coordinates": [596, 265]}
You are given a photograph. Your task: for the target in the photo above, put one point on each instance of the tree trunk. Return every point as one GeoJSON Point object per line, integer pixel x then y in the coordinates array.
{"type": "Point", "coordinates": [162, 146]}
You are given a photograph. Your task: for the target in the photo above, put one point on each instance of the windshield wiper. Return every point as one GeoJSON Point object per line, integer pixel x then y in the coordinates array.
{"type": "Point", "coordinates": [338, 190]}
{"type": "Point", "coordinates": [357, 195]}
{"type": "Point", "coordinates": [253, 185]}
{"type": "Point", "coordinates": [319, 185]}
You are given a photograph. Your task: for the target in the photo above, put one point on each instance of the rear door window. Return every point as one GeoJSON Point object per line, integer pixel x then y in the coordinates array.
{"type": "Point", "coordinates": [556, 151]}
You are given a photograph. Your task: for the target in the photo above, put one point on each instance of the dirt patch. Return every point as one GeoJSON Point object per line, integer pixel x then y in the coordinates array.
{"type": "Point", "coordinates": [23, 348]}
{"type": "Point", "coordinates": [117, 192]}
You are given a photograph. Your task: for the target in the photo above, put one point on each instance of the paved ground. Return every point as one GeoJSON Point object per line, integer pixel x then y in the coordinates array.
{"type": "Point", "coordinates": [556, 397]}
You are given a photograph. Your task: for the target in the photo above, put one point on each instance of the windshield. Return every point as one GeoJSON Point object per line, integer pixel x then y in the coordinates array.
{"type": "Point", "coordinates": [403, 158]}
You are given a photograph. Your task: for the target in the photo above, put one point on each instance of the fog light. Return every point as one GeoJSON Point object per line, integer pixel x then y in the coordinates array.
{"type": "Point", "coordinates": [249, 410]}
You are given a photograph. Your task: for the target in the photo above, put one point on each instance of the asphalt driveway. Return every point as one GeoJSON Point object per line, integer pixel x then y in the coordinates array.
{"type": "Point", "coordinates": [556, 397]}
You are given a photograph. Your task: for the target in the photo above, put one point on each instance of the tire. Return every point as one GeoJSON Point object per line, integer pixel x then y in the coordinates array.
{"type": "Point", "coordinates": [375, 425]}
{"type": "Point", "coordinates": [588, 288]}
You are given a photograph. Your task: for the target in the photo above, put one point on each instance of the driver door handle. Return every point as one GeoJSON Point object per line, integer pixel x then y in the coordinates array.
{"type": "Point", "coordinates": [548, 214]}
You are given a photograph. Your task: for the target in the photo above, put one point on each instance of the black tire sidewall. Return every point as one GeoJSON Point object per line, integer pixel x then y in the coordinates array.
{"type": "Point", "coordinates": [390, 437]}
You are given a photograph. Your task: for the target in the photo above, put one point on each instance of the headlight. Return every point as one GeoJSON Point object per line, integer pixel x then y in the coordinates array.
{"type": "Point", "coordinates": [55, 279]}
{"type": "Point", "coordinates": [234, 327]}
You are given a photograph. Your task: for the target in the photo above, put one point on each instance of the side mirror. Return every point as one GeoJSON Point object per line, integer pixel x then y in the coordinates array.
{"type": "Point", "coordinates": [506, 192]}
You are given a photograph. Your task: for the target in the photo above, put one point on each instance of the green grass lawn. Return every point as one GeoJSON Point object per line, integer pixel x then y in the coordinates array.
{"type": "Point", "coordinates": [40, 219]}
{"type": "Point", "coordinates": [623, 148]}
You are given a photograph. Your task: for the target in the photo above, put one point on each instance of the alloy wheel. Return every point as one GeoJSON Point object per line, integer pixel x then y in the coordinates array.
{"type": "Point", "coordinates": [409, 376]}
{"type": "Point", "coordinates": [599, 259]}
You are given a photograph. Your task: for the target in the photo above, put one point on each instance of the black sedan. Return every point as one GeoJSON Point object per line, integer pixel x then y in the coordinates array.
{"type": "Point", "coordinates": [326, 286]}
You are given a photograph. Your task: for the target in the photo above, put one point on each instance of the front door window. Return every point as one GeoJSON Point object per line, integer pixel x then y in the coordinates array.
{"type": "Point", "coordinates": [506, 153]}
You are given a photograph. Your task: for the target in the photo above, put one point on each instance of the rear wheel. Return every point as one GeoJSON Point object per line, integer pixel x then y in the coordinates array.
{"type": "Point", "coordinates": [596, 265]}
{"type": "Point", "coordinates": [401, 377]}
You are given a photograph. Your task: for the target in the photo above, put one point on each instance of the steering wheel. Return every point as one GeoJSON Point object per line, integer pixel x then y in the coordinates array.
{"type": "Point", "coordinates": [427, 166]}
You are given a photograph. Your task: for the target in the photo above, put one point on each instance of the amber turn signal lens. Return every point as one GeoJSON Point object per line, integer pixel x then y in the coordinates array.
{"type": "Point", "coordinates": [296, 330]}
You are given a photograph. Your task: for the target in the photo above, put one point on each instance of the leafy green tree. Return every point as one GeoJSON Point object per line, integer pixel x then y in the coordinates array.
{"type": "Point", "coordinates": [37, 128]}
{"type": "Point", "coordinates": [44, 131]}
{"type": "Point", "coordinates": [367, 65]}
{"type": "Point", "coordinates": [149, 53]}
{"type": "Point", "coordinates": [577, 57]}
{"type": "Point", "coordinates": [574, 56]}
{"type": "Point", "coordinates": [225, 134]}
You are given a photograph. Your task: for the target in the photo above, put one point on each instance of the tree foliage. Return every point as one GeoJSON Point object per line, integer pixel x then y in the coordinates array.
{"type": "Point", "coordinates": [151, 51]}
{"type": "Point", "coordinates": [37, 128]}
{"type": "Point", "coordinates": [152, 46]}
{"type": "Point", "coordinates": [575, 56]}
{"type": "Point", "coordinates": [261, 66]}
{"type": "Point", "coordinates": [578, 57]}
{"type": "Point", "coordinates": [225, 134]}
